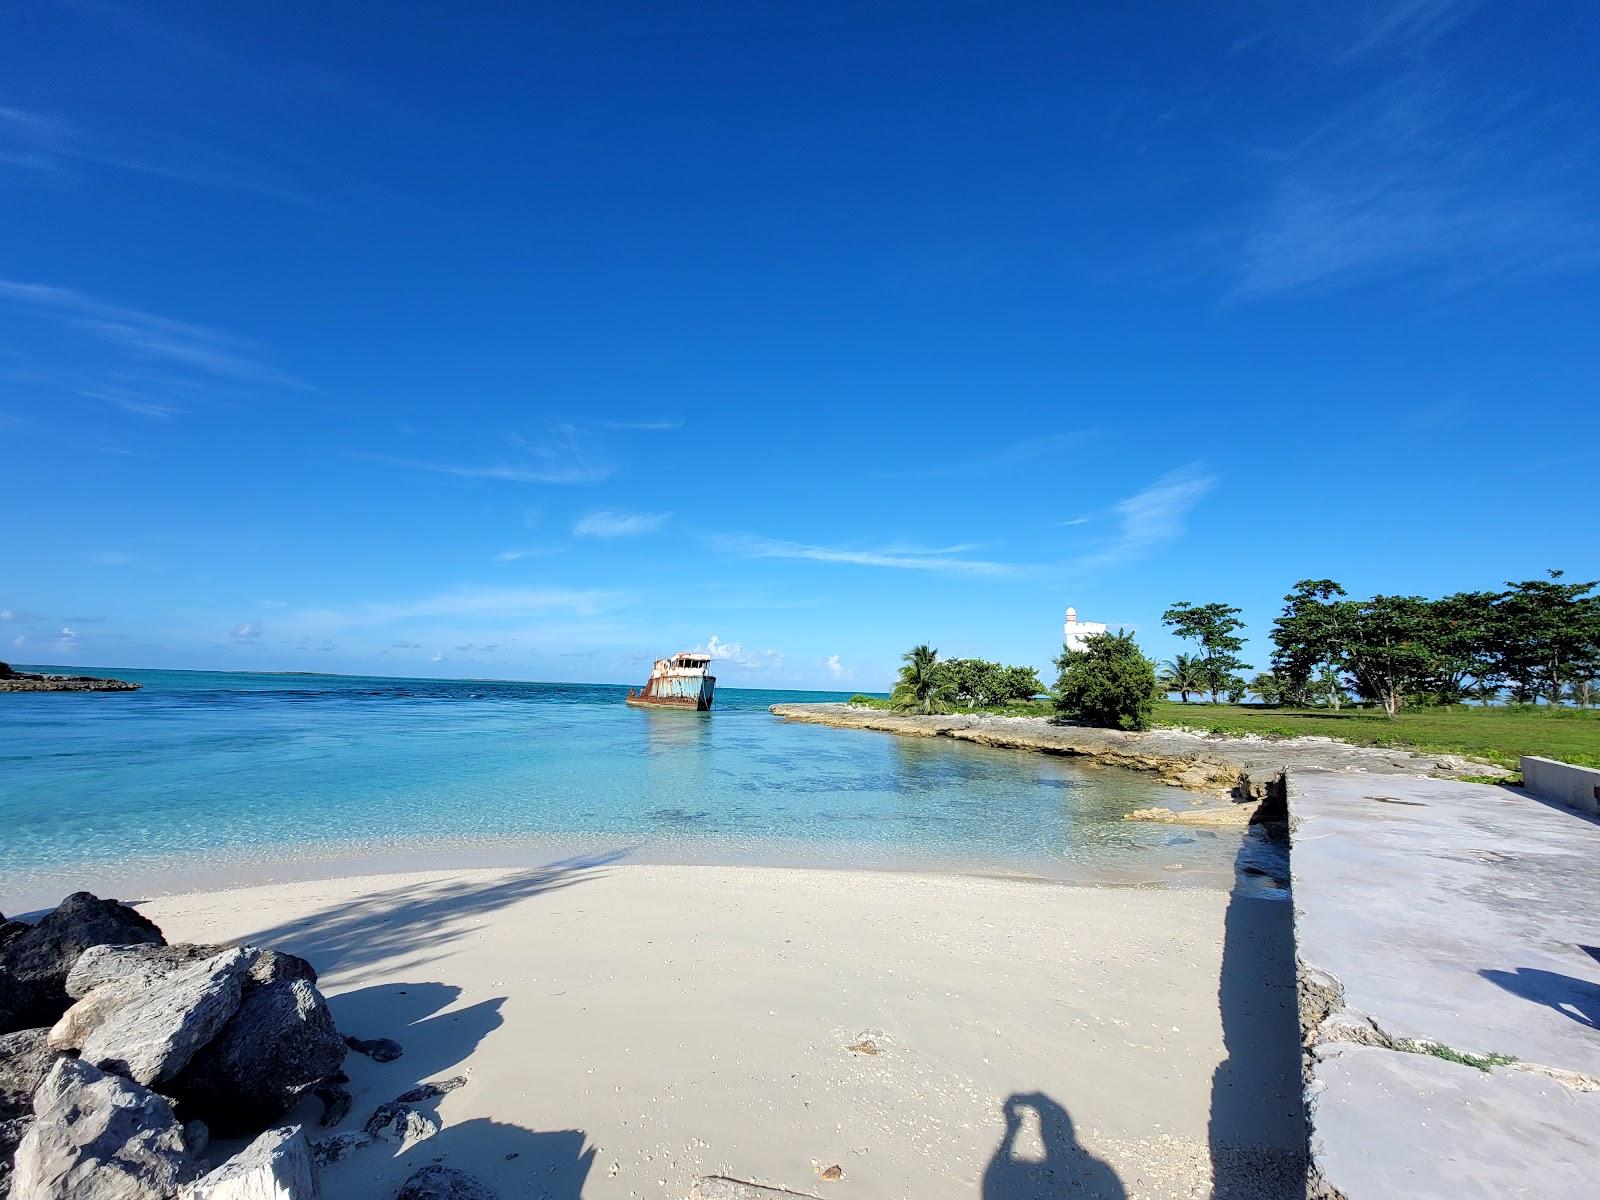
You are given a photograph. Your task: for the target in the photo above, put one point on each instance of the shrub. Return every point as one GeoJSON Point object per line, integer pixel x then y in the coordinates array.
{"type": "Point", "coordinates": [1110, 683]}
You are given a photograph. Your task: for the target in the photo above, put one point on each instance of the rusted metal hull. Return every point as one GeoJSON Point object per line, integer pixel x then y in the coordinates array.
{"type": "Point", "coordinates": [691, 692]}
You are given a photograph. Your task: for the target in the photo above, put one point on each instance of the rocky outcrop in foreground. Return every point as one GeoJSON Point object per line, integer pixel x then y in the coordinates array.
{"type": "Point", "coordinates": [1211, 763]}
{"type": "Point", "coordinates": [120, 1054]}
{"type": "Point", "coordinates": [22, 681]}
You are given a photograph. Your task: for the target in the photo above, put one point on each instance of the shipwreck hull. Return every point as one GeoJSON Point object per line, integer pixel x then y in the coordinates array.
{"type": "Point", "coordinates": [691, 692]}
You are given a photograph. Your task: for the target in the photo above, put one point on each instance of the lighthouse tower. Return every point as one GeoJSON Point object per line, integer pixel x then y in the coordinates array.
{"type": "Point", "coordinates": [1077, 632]}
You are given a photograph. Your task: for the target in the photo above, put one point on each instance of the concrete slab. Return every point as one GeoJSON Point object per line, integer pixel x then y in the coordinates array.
{"type": "Point", "coordinates": [1456, 912]}
{"type": "Point", "coordinates": [1387, 1124]}
{"type": "Point", "coordinates": [1576, 787]}
{"type": "Point", "coordinates": [1462, 915]}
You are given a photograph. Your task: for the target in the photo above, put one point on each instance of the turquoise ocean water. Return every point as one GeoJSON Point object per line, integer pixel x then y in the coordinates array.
{"type": "Point", "coordinates": [202, 779]}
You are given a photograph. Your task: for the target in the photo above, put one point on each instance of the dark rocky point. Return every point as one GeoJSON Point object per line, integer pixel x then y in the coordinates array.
{"type": "Point", "coordinates": [443, 1183]}
{"type": "Point", "coordinates": [35, 961]}
{"type": "Point", "coordinates": [21, 681]}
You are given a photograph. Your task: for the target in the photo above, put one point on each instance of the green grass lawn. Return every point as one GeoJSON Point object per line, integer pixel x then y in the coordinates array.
{"type": "Point", "coordinates": [1497, 735]}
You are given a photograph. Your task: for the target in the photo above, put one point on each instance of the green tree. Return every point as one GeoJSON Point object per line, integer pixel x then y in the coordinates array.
{"type": "Point", "coordinates": [976, 682]}
{"type": "Point", "coordinates": [1182, 673]}
{"type": "Point", "coordinates": [920, 686]}
{"type": "Point", "coordinates": [1267, 687]}
{"type": "Point", "coordinates": [1109, 682]}
{"type": "Point", "coordinates": [1214, 627]}
{"type": "Point", "coordinates": [1019, 683]}
{"type": "Point", "coordinates": [1546, 633]}
{"type": "Point", "coordinates": [1463, 638]}
{"type": "Point", "coordinates": [1388, 650]}
{"type": "Point", "coordinates": [1308, 643]}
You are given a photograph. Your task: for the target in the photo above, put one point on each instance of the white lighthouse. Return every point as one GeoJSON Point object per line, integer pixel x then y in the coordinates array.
{"type": "Point", "coordinates": [1077, 632]}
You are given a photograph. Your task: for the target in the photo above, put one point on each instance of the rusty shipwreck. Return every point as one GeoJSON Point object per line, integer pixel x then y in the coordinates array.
{"type": "Point", "coordinates": [682, 681]}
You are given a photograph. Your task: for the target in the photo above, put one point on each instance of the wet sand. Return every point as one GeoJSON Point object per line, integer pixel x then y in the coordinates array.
{"type": "Point", "coordinates": [627, 1028]}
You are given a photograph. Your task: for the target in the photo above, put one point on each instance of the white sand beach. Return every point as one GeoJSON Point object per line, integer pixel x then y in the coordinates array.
{"type": "Point", "coordinates": [627, 1028]}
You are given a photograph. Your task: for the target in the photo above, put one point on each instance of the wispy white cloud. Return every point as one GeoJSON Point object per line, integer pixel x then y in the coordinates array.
{"type": "Point", "coordinates": [563, 457]}
{"type": "Point", "coordinates": [836, 668]}
{"type": "Point", "coordinates": [612, 523]}
{"type": "Point", "coordinates": [473, 604]}
{"type": "Point", "coordinates": [52, 146]}
{"type": "Point", "coordinates": [762, 547]}
{"type": "Point", "coordinates": [526, 552]}
{"type": "Point", "coordinates": [245, 631]}
{"type": "Point", "coordinates": [1151, 517]}
{"type": "Point", "coordinates": [1011, 456]}
{"type": "Point", "coordinates": [1411, 23]}
{"type": "Point", "coordinates": [645, 426]}
{"type": "Point", "coordinates": [1421, 172]}
{"type": "Point", "coordinates": [146, 335]}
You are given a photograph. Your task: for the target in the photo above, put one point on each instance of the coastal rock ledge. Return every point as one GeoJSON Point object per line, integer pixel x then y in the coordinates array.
{"type": "Point", "coordinates": [21, 681]}
{"type": "Point", "coordinates": [1199, 762]}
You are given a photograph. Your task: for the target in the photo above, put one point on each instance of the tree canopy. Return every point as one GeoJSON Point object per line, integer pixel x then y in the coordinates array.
{"type": "Point", "coordinates": [1215, 628]}
{"type": "Point", "coordinates": [1109, 682]}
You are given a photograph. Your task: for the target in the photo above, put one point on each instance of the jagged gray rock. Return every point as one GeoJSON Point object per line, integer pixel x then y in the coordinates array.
{"type": "Point", "coordinates": [279, 1045]}
{"type": "Point", "coordinates": [336, 1102]}
{"type": "Point", "coordinates": [25, 1058]}
{"type": "Point", "coordinates": [397, 1122]}
{"type": "Point", "coordinates": [377, 1049]}
{"type": "Point", "coordinates": [109, 964]}
{"type": "Point", "coordinates": [12, 1132]}
{"type": "Point", "coordinates": [156, 1028]}
{"type": "Point", "coordinates": [337, 1146]}
{"type": "Point", "coordinates": [443, 1183]}
{"type": "Point", "coordinates": [276, 1166]}
{"type": "Point", "coordinates": [35, 962]}
{"type": "Point", "coordinates": [97, 1136]}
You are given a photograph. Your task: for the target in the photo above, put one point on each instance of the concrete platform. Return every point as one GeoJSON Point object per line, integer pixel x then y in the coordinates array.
{"type": "Point", "coordinates": [1459, 914]}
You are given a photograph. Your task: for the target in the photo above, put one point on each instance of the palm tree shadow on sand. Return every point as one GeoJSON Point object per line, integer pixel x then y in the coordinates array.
{"type": "Point", "coordinates": [1066, 1168]}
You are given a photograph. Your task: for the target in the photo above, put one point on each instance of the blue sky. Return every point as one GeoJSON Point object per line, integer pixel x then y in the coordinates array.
{"type": "Point", "coordinates": [532, 342]}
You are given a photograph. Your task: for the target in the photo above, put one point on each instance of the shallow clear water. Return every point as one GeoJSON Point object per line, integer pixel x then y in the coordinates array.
{"type": "Point", "coordinates": [205, 778]}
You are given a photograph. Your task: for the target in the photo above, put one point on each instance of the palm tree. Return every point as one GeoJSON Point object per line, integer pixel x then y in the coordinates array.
{"type": "Point", "coordinates": [920, 686]}
{"type": "Point", "coordinates": [1183, 674]}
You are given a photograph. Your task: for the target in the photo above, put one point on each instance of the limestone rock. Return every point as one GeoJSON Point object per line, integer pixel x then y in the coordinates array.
{"type": "Point", "coordinates": [397, 1122]}
{"type": "Point", "coordinates": [34, 962]}
{"type": "Point", "coordinates": [377, 1049]}
{"type": "Point", "coordinates": [443, 1183]}
{"type": "Point", "coordinates": [279, 1045]}
{"type": "Point", "coordinates": [108, 964]}
{"type": "Point", "coordinates": [155, 1029]}
{"type": "Point", "coordinates": [12, 1132]}
{"type": "Point", "coordinates": [338, 1146]}
{"type": "Point", "coordinates": [25, 1058]}
{"type": "Point", "coordinates": [97, 1136]}
{"type": "Point", "coordinates": [276, 1166]}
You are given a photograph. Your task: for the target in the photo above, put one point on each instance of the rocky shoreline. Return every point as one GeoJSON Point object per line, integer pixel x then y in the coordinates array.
{"type": "Point", "coordinates": [120, 1055]}
{"type": "Point", "coordinates": [1212, 764]}
{"type": "Point", "coordinates": [23, 681]}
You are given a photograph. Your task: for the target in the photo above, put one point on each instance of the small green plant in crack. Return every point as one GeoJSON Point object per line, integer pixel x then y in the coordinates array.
{"type": "Point", "coordinates": [1483, 1062]}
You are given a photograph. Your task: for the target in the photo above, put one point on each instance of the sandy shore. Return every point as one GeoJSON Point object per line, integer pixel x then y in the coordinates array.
{"type": "Point", "coordinates": [628, 1028]}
